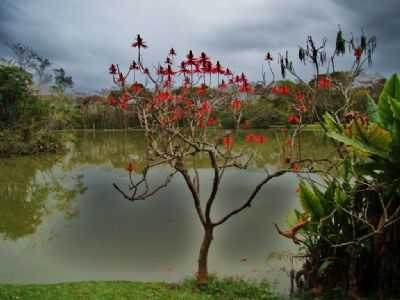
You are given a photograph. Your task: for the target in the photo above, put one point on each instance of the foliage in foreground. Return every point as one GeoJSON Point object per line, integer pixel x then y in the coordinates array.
{"type": "Point", "coordinates": [225, 289]}
{"type": "Point", "coordinates": [352, 237]}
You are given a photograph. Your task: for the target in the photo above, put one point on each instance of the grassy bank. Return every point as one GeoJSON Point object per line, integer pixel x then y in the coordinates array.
{"type": "Point", "coordinates": [226, 289]}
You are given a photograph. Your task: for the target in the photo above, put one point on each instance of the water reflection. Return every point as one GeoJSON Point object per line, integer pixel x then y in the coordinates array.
{"type": "Point", "coordinates": [62, 220]}
{"type": "Point", "coordinates": [31, 190]}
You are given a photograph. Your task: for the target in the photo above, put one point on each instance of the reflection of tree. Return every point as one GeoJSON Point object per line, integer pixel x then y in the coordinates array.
{"type": "Point", "coordinates": [26, 186]}
{"type": "Point", "coordinates": [118, 148]}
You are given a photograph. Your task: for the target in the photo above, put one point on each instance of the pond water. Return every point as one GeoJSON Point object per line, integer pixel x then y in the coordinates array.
{"type": "Point", "coordinates": [62, 220]}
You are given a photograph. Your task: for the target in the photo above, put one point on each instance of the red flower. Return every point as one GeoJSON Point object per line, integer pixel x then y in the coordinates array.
{"type": "Point", "coordinates": [256, 138]}
{"type": "Point", "coordinates": [168, 61]}
{"type": "Point", "coordinates": [211, 122]}
{"type": "Point", "coordinates": [203, 59]}
{"type": "Point", "coordinates": [294, 119]}
{"type": "Point", "coordinates": [125, 97]}
{"type": "Point", "coordinates": [268, 57]}
{"type": "Point", "coordinates": [201, 90]}
{"type": "Point", "coordinates": [245, 87]}
{"type": "Point", "coordinates": [139, 43]}
{"type": "Point", "coordinates": [146, 71]}
{"type": "Point", "coordinates": [111, 100]}
{"type": "Point", "coordinates": [218, 68]}
{"type": "Point", "coordinates": [261, 139]}
{"type": "Point", "coordinates": [299, 97]}
{"type": "Point", "coordinates": [282, 90]}
{"type": "Point", "coordinates": [358, 53]}
{"type": "Point", "coordinates": [172, 52]}
{"type": "Point", "coordinates": [136, 88]}
{"type": "Point", "coordinates": [134, 66]}
{"type": "Point", "coordinates": [112, 69]}
{"type": "Point", "coordinates": [206, 107]}
{"type": "Point", "coordinates": [222, 85]}
{"type": "Point", "coordinates": [169, 71]}
{"type": "Point", "coordinates": [177, 114]}
{"type": "Point", "coordinates": [190, 59]}
{"type": "Point", "coordinates": [121, 78]}
{"type": "Point", "coordinates": [163, 96]}
{"type": "Point", "coordinates": [123, 105]}
{"type": "Point", "coordinates": [130, 168]}
{"type": "Point", "coordinates": [250, 138]}
{"type": "Point", "coordinates": [228, 72]}
{"type": "Point", "coordinates": [184, 70]}
{"type": "Point", "coordinates": [236, 104]}
{"type": "Point", "coordinates": [324, 83]}
{"type": "Point", "coordinates": [228, 141]}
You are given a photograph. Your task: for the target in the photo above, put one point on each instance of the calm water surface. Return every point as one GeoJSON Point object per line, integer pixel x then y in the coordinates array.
{"type": "Point", "coordinates": [61, 219]}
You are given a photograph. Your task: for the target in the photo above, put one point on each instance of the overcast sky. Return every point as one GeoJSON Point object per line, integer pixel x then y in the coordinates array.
{"type": "Point", "coordinates": [86, 36]}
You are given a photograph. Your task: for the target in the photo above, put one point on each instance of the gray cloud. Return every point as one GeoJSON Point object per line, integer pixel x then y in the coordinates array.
{"type": "Point", "coordinates": [84, 37]}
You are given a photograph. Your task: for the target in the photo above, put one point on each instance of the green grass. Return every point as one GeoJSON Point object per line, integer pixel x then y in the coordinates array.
{"type": "Point", "coordinates": [221, 289]}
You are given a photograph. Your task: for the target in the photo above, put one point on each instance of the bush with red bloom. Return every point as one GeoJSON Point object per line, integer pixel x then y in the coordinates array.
{"type": "Point", "coordinates": [281, 90]}
{"type": "Point", "coordinates": [212, 122]}
{"type": "Point", "coordinates": [228, 141]}
{"type": "Point", "coordinates": [324, 82]}
{"type": "Point", "coordinates": [202, 89]}
{"type": "Point", "coordinates": [294, 119]}
{"type": "Point", "coordinates": [236, 104]}
{"type": "Point", "coordinates": [256, 138]}
{"type": "Point", "coordinates": [111, 100]}
{"type": "Point", "coordinates": [136, 88]}
{"type": "Point", "coordinates": [123, 105]}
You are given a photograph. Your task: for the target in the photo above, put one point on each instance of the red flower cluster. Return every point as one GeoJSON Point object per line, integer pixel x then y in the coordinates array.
{"type": "Point", "coordinates": [324, 83]}
{"type": "Point", "coordinates": [256, 138]}
{"type": "Point", "coordinates": [211, 122]}
{"type": "Point", "coordinates": [236, 104]}
{"type": "Point", "coordinates": [358, 53]}
{"type": "Point", "coordinates": [228, 141]}
{"type": "Point", "coordinates": [294, 119]}
{"type": "Point", "coordinates": [282, 90]}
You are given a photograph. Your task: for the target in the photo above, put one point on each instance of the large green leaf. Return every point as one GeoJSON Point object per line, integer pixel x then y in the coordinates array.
{"type": "Point", "coordinates": [390, 90]}
{"type": "Point", "coordinates": [372, 110]}
{"type": "Point", "coordinates": [310, 202]}
{"type": "Point", "coordinates": [358, 145]}
{"type": "Point", "coordinates": [331, 124]}
{"type": "Point", "coordinates": [395, 106]}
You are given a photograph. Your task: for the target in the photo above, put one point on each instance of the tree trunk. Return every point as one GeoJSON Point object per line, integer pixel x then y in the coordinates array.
{"type": "Point", "coordinates": [202, 273]}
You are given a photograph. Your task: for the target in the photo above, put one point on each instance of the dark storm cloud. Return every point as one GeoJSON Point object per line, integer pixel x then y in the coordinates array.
{"type": "Point", "coordinates": [270, 26]}
{"type": "Point", "coordinates": [84, 37]}
{"type": "Point", "coordinates": [8, 12]}
{"type": "Point", "coordinates": [379, 18]}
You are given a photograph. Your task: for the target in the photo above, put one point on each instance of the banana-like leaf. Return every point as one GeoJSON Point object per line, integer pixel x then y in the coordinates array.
{"type": "Point", "coordinates": [390, 90]}
{"type": "Point", "coordinates": [395, 106]}
{"type": "Point", "coordinates": [372, 110]}
{"type": "Point", "coordinates": [358, 145]}
{"type": "Point", "coordinates": [331, 124]}
{"type": "Point", "coordinates": [310, 201]}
